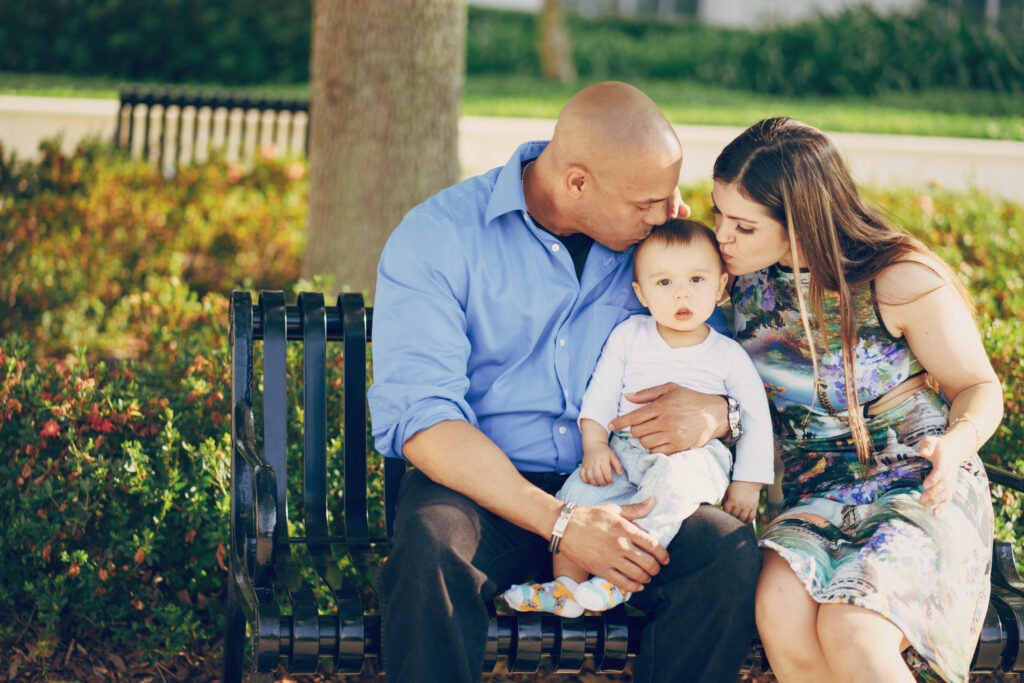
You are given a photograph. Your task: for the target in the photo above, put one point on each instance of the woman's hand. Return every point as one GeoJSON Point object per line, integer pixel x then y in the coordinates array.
{"type": "Point", "coordinates": [676, 207]}
{"type": "Point", "coordinates": [600, 464]}
{"type": "Point", "coordinates": [945, 453]}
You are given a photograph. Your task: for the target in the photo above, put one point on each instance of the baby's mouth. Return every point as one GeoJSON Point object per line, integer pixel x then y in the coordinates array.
{"type": "Point", "coordinates": [684, 314]}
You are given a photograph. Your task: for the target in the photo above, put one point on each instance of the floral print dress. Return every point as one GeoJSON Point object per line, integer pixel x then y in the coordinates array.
{"type": "Point", "coordinates": [856, 532]}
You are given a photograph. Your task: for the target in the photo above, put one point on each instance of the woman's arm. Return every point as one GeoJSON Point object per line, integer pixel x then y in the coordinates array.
{"type": "Point", "coordinates": [917, 303]}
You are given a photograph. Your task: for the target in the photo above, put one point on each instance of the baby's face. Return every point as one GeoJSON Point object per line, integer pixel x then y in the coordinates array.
{"type": "Point", "coordinates": [680, 284]}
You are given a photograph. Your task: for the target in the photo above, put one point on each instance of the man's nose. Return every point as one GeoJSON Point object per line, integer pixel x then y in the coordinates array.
{"type": "Point", "coordinates": [658, 214]}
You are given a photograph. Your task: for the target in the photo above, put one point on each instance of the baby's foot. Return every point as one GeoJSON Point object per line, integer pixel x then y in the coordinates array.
{"type": "Point", "coordinates": [555, 597]}
{"type": "Point", "coordinates": [599, 594]}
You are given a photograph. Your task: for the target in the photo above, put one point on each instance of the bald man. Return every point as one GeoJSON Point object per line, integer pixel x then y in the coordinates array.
{"type": "Point", "coordinates": [494, 298]}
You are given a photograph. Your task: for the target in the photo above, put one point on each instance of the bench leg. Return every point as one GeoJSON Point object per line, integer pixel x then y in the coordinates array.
{"type": "Point", "coordinates": [234, 640]}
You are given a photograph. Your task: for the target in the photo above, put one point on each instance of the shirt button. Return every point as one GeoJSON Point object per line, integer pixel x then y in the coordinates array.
{"type": "Point", "coordinates": [561, 342]}
{"type": "Point", "coordinates": [562, 430]}
{"type": "Point", "coordinates": [556, 246]}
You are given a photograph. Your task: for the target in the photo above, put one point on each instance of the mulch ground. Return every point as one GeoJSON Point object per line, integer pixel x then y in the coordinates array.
{"type": "Point", "coordinates": [96, 662]}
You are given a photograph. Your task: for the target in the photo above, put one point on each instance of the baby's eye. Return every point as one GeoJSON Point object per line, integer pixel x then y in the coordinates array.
{"type": "Point", "coordinates": [663, 282]}
{"type": "Point", "coordinates": [697, 278]}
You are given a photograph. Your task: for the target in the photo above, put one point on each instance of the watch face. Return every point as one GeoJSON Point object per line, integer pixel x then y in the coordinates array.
{"type": "Point", "coordinates": [734, 417]}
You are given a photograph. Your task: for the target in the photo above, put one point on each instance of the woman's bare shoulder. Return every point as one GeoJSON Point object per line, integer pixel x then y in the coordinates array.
{"type": "Point", "coordinates": [911, 279]}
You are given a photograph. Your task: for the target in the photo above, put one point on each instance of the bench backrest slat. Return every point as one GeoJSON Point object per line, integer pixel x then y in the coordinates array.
{"type": "Point", "coordinates": [357, 527]}
{"type": "Point", "coordinates": [314, 449]}
{"type": "Point", "coordinates": [241, 424]}
{"type": "Point", "coordinates": [275, 390]}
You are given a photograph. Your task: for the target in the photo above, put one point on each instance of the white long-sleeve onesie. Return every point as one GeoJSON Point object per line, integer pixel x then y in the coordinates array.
{"type": "Point", "coordinates": [636, 357]}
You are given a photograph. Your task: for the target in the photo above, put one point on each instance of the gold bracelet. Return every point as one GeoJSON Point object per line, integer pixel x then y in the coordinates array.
{"type": "Point", "coordinates": [968, 420]}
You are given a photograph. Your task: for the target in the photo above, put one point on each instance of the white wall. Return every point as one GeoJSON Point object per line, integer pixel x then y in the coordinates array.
{"type": "Point", "coordinates": [737, 13]}
{"type": "Point", "coordinates": [753, 13]}
{"type": "Point", "coordinates": [523, 5]}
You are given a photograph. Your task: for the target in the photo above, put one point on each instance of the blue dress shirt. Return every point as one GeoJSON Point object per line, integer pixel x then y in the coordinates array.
{"type": "Point", "coordinates": [479, 316]}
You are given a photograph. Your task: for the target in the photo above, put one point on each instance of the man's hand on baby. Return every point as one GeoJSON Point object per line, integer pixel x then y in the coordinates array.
{"type": "Point", "coordinates": [603, 540]}
{"type": "Point", "coordinates": [600, 464]}
{"type": "Point", "coordinates": [674, 418]}
{"type": "Point", "coordinates": [741, 500]}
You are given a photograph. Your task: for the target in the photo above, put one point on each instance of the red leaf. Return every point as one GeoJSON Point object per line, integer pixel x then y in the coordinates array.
{"type": "Point", "coordinates": [51, 428]}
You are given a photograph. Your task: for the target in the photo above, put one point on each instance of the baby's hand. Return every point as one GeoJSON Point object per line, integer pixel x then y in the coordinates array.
{"type": "Point", "coordinates": [741, 500]}
{"type": "Point", "coordinates": [599, 461]}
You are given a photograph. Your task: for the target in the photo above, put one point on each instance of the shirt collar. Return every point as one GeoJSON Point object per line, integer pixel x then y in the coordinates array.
{"type": "Point", "coordinates": [507, 195]}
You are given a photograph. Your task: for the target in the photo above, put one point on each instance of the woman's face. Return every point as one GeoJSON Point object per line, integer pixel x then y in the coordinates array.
{"type": "Point", "coordinates": [748, 237]}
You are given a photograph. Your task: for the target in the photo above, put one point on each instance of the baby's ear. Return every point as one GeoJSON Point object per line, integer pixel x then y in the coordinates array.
{"type": "Point", "coordinates": [722, 280]}
{"type": "Point", "coordinates": [640, 294]}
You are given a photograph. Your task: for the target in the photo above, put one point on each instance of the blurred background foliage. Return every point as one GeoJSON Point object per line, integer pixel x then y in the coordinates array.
{"type": "Point", "coordinates": [250, 42]}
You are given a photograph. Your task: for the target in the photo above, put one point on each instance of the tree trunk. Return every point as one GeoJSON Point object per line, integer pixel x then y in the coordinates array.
{"type": "Point", "coordinates": [992, 14]}
{"type": "Point", "coordinates": [386, 82]}
{"type": "Point", "coordinates": [553, 44]}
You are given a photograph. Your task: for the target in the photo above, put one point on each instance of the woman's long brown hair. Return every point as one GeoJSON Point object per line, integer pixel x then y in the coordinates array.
{"type": "Point", "coordinates": [796, 173]}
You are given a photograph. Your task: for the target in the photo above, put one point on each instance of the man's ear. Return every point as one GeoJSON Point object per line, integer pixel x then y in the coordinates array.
{"type": "Point", "coordinates": [639, 294]}
{"type": "Point", "coordinates": [576, 179]}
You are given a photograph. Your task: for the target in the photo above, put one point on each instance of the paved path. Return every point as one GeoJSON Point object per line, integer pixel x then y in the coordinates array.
{"type": "Point", "coordinates": [485, 142]}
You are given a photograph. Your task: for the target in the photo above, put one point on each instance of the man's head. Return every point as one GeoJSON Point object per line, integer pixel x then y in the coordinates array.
{"type": "Point", "coordinates": [679, 275]}
{"type": "Point", "coordinates": [611, 169]}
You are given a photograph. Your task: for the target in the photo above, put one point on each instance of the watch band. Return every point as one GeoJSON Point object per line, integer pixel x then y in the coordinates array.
{"type": "Point", "coordinates": [735, 429]}
{"type": "Point", "coordinates": [560, 525]}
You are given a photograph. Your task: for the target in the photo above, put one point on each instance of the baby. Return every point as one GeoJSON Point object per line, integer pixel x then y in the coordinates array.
{"type": "Point", "coordinates": [679, 276]}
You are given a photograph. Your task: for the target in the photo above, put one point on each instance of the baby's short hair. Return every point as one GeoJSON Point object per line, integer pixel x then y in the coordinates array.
{"type": "Point", "coordinates": [677, 231]}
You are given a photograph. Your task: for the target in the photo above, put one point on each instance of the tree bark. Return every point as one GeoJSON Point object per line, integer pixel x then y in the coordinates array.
{"type": "Point", "coordinates": [553, 44]}
{"type": "Point", "coordinates": [386, 81]}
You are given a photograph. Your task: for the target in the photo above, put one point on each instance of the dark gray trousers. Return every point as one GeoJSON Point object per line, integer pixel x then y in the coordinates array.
{"type": "Point", "coordinates": [450, 556]}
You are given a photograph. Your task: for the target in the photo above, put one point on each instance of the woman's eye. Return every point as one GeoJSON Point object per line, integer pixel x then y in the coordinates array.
{"type": "Point", "coordinates": [744, 231]}
{"type": "Point", "coordinates": [714, 209]}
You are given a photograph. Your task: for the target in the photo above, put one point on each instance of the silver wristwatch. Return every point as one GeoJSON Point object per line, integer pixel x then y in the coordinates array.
{"type": "Point", "coordinates": [734, 419]}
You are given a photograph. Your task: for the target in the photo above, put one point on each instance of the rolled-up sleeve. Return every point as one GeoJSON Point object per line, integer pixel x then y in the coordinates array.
{"type": "Point", "coordinates": [420, 346]}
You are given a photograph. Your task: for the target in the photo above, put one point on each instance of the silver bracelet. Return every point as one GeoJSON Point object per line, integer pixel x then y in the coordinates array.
{"type": "Point", "coordinates": [560, 524]}
{"type": "Point", "coordinates": [968, 420]}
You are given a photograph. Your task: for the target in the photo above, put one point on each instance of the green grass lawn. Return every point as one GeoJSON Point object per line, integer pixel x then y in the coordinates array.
{"type": "Point", "coordinates": [971, 114]}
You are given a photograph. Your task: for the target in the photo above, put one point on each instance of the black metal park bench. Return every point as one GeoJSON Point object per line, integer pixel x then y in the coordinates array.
{"type": "Point", "coordinates": [305, 619]}
{"type": "Point", "coordinates": [171, 125]}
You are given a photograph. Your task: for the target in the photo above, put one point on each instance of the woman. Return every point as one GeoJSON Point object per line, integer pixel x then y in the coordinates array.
{"type": "Point", "coordinates": [885, 541]}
